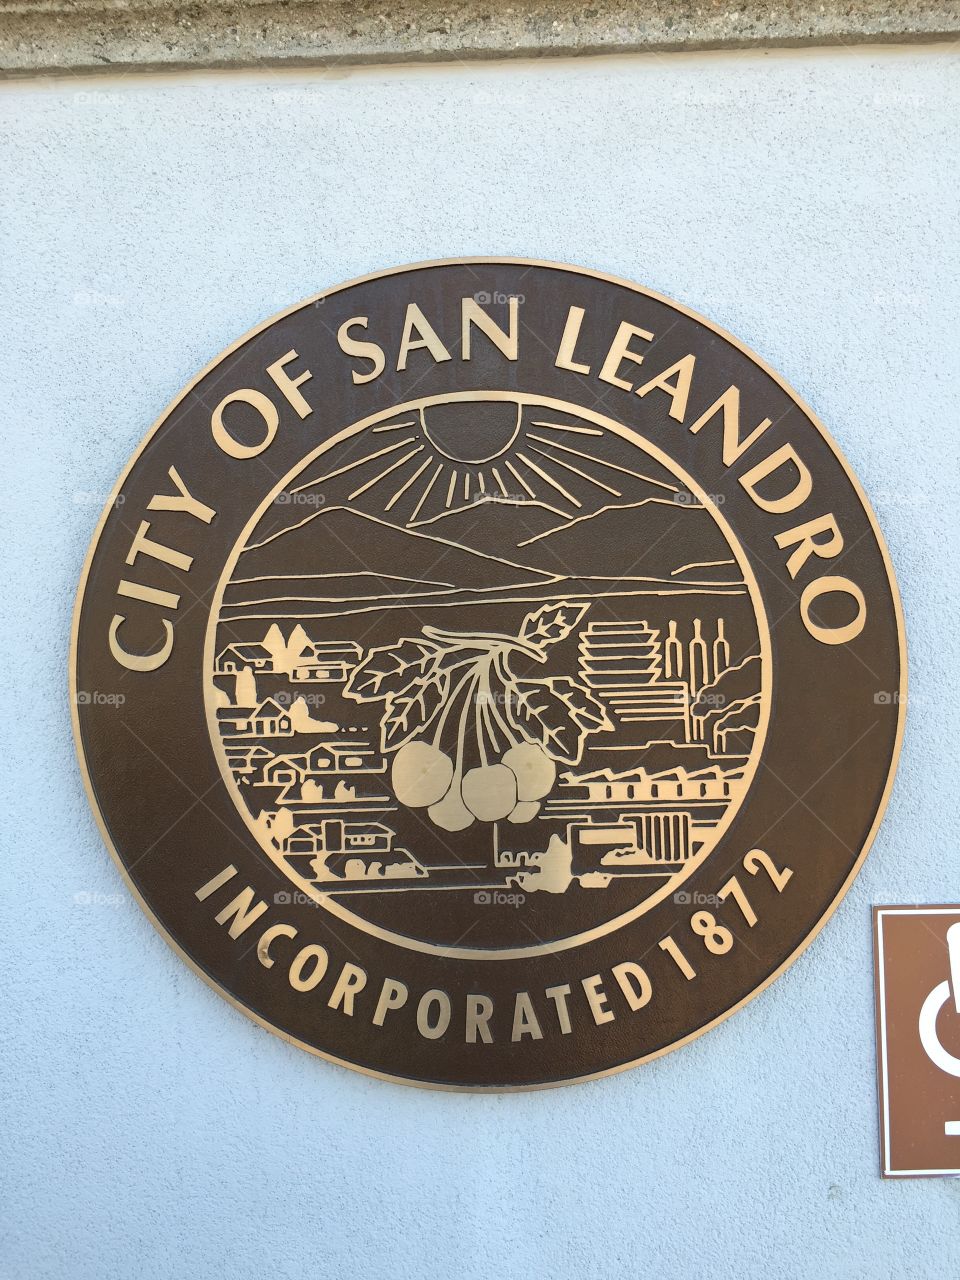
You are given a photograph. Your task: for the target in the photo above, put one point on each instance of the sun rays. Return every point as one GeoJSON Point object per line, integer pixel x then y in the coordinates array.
{"type": "Point", "coordinates": [468, 452]}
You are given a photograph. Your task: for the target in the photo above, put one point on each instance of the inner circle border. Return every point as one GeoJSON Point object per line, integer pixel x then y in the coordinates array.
{"type": "Point", "coordinates": [633, 437]}
{"type": "Point", "coordinates": [429, 264]}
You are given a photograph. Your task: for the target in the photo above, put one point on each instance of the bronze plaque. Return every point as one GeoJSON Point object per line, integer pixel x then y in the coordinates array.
{"type": "Point", "coordinates": [917, 971]}
{"type": "Point", "coordinates": [488, 674]}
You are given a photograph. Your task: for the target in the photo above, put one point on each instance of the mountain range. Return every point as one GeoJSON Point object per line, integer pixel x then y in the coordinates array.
{"type": "Point", "coordinates": [339, 559]}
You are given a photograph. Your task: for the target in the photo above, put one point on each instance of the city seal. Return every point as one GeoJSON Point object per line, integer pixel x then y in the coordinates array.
{"type": "Point", "coordinates": [488, 674]}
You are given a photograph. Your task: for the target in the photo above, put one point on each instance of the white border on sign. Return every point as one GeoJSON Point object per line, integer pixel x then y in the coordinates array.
{"type": "Point", "coordinates": [886, 1170]}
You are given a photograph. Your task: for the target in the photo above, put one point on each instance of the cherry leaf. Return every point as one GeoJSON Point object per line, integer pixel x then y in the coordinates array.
{"type": "Point", "coordinates": [551, 623]}
{"type": "Point", "coordinates": [410, 713]}
{"type": "Point", "coordinates": [390, 670]}
{"type": "Point", "coordinates": [588, 711]}
{"type": "Point", "coordinates": [545, 717]}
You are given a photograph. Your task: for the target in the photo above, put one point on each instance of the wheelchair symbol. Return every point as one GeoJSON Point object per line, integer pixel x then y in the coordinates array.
{"type": "Point", "coordinates": [935, 1001]}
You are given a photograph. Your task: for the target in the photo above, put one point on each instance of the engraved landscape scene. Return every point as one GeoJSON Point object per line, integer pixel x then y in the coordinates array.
{"type": "Point", "coordinates": [486, 675]}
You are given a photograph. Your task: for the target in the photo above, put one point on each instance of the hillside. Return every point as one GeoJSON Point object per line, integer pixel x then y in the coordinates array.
{"type": "Point", "coordinates": [654, 538]}
{"type": "Point", "coordinates": [345, 549]}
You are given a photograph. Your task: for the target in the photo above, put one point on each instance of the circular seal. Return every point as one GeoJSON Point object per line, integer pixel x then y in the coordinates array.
{"type": "Point", "coordinates": [488, 674]}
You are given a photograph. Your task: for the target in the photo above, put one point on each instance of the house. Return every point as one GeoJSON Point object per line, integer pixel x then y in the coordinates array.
{"type": "Point", "coordinates": [234, 720]}
{"type": "Point", "coordinates": [285, 771]}
{"type": "Point", "coordinates": [327, 760]}
{"type": "Point", "coordinates": [268, 720]}
{"type": "Point", "coordinates": [350, 851]}
{"type": "Point", "coordinates": [246, 762]}
{"type": "Point", "coordinates": [713, 783]}
{"type": "Point", "coordinates": [235, 657]}
{"type": "Point", "coordinates": [344, 757]}
{"type": "Point", "coordinates": [326, 662]}
{"type": "Point", "coordinates": [331, 836]}
{"type": "Point", "coordinates": [643, 843]}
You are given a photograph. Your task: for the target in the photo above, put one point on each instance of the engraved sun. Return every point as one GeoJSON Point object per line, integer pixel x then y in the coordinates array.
{"type": "Point", "coordinates": [449, 455]}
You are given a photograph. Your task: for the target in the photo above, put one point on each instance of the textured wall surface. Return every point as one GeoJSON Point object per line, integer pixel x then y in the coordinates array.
{"type": "Point", "coordinates": [807, 202]}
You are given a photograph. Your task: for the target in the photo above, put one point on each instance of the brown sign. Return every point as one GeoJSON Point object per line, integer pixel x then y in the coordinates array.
{"type": "Point", "coordinates": [511, 674]}
{"type": "Point", "coordinates": [917, 968]}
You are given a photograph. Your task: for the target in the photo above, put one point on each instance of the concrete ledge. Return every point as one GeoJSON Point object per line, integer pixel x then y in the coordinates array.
{"type": "Point", "coordinates": [71, 36]}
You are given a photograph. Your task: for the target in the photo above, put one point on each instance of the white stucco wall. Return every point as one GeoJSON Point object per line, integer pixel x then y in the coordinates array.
{"type": "Point", "coordinates": [809, 203]}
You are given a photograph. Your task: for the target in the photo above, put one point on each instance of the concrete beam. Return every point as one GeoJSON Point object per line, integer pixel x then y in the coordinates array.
{"type": "Point", "coordinates": [48, 37]}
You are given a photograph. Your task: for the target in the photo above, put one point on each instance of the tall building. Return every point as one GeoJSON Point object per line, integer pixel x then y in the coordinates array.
{"type": "Point", "coordinates": [623, 662]}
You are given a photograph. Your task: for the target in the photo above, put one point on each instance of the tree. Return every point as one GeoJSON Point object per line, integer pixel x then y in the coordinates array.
{"type": "Point", "coordinates": [554, 869]}
{"type": "Point", "coordinates": [297, 645]}
{"type": "Point", "coordinates": [276, 646]}
{"type": "Point", "coordinates": [246, 691]}
{"type": "Point", "coordinates": [303, 722]}
{"type": "Point", "coordinates": [281, 827]}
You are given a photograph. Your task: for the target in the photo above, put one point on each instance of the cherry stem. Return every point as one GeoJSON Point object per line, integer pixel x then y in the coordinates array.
{"type": "Point", "coordinates": [461, 734]}
{"type": "Point", "coordinates": [490, 640]}
{"type": "Point", "coordinates": [509, 681]}
{"type": "Point", "coordinates": [467, 678]}
{"type": "Point", "coordinates": [488, 710]}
